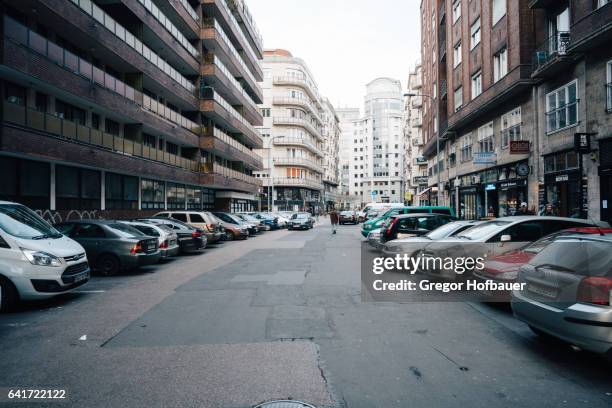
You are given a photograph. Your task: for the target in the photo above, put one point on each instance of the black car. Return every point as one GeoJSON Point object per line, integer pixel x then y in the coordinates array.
{"type": "Point", "coordinates": [301, 221]}
{"type": "Point", "coordinates": [406, 225]}
{"type": "Point", "coordinates": [190, 239]}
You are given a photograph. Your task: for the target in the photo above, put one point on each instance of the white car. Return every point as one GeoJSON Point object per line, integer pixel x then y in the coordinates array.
{"type": "Point", "coordinates": [283, 221]}
{"type": "Point", "coordinates": [36, 261]}
{"type": "Point", "coordinates": [495, 237]}
{"type": "Point", "coordinates": [167, 238]}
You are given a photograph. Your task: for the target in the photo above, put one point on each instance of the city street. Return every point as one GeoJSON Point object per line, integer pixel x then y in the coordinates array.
{"type": "Point", "coordinates": [277, 317]}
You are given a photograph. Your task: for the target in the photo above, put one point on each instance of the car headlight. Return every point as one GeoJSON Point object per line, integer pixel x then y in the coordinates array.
{"type": "Point", "coordinates": [41, 258]}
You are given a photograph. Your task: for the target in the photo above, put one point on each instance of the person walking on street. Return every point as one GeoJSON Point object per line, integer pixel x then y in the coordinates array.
{"type": "Point", "coordinates": [333, 217]}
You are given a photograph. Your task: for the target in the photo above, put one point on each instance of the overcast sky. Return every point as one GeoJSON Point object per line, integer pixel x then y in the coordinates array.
{"type": "Point", "coordinates": [346, 43]}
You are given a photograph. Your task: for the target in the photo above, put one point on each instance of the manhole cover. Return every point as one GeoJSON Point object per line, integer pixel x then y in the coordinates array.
{"type": "Point", "coordinates": [285, 404]}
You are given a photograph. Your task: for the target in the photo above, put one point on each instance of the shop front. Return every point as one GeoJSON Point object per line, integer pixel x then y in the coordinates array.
{"type": "Point", "coordinates": [469, 203]}
{"type": "Point", "coordinates": [605, 179]}
{"type": "Point", "coordinates": [512, 189]}
{"type": "Point", "coordinates": [562, 184]}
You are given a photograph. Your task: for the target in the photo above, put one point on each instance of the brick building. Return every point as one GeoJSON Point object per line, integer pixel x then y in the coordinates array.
{"type": "Point", "coordinates": [118, 108]}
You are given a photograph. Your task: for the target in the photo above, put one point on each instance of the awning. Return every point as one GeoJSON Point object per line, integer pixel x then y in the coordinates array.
{"type": "Point", "coordinates": [424, 191]}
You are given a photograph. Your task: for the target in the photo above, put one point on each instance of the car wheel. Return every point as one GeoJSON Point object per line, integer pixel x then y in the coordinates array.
{"type": "Point", "coordinates": [108, 265]}
{"type": "Point", "coordinates": [9, 295]}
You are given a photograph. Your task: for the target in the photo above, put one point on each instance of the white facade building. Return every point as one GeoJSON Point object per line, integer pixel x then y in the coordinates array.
{"type": "Point", "coordinates": [415, 164]}
{"type": "Point", "coordinates": [349, 118]}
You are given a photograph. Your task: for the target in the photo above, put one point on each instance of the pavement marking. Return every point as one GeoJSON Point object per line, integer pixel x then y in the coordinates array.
{"type": "Point", "coordinates": [83, 337]}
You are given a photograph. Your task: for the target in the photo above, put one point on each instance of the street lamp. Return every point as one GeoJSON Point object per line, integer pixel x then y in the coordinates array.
{"type": "Point", "coordinates": [411, 94]}
{"type": "Point", "coordinates": [271, 171]}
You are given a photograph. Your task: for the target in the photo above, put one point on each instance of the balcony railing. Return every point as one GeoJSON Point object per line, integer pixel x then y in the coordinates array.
{"type": "Point", "coordinates": [298, 161]}
{"type": "Point", "coordinates": [171, 28]}
{"type": "Point", "coordinates": [219, 134]}
{"type": "Point", "coordinates": [298, 141]}
{"type": "Point", "coordinates": [416, 121]}
{"type": "Point", "coordinates": [22, 35]}
{"type": "Point", "coordinates": [229, 173]}
{"type": "Point", "coordinates": [124, 35]}
{"type": "Point", "coordinates": [286, 120]}
{"type": "Point", "coordinates": [209, 92]}
{"type": "Point", "coordinates": [249, 50]}
{"type": "Point", "coordinates": [555, 45]}
{"type": "Point", "coordinates": [303, 102]}
{"type": "Point", "coordinates": [189, 9]}
{"type": "Point", "coordinates": [295, 182]}
{"type": "Point", "coordinates": [301, 82]}
{"type": "Point", "coordinates": [69, 130]}
{"type": "Point", "coordinates": [249, 18]}
{"type": "Point", "coordinates": [609, 97]}
{"type": "Point", "coordinates": [216, 61]}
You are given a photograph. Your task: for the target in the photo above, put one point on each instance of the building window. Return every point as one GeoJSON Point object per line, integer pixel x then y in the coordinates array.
{"type": "Point", "coordinates": [511, 127]}
{"type": "Point", "coordinates": [111, 127]}
{"type": "Point", "coordinates": [499, 10]}
{"type": "Point", "coordinates": [485, 138]}
{"type": "Point", "coordinates": [152, 195]}
{"type": "Point", "coordinates": [176, 196]}
{"type": "Point", "coordinates": [561, 162]}
{"type": "Point", "coordinates": [265, 112]}
{"type": "Point", "coordinates": [28, 184]}
{"type": "Point", "coordinates": [194, 198]}
{"type": "Point", "coordinates": [456, 10]}
{"type": "Point", "coordinates": [562, 107]}
{"type": "Point", "coordinates": [452, 156]}
{"type": "Point", "coordinates": [77, 189]}
{"type": "Point", "coordinates": [458, 98]}
{"type": "Point", "coordinates": [475, 34]}
{"type": "Point", "coordinates": [121, 192]}
{"type": "Point", "coordinates": [476, 84]}
{"type": "Point", "coordinates": [15, 94]}
{"type": "Point", "coordinates": [41, 102]}
{"type": "Point", "coordinates": [457, 55]}
{"type": "Point", "coordinates": [69, 112]}
{"type": "Point", "coordinates": [466, 148]}
{"type": "Point", "coordinates": [500, 65]}
{"type": "Point", "coordinates": [609, 86]}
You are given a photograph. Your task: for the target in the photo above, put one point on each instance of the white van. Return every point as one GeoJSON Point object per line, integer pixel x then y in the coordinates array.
{"type": "Point", "coordinates": [36, 261]}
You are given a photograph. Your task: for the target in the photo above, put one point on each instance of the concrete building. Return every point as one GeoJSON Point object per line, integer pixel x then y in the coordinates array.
{"type": "Point", "coordinates": [293, 155]}
{"type": "Point", "coordinates": [573, 95]}
{"type": "Point", "coordinates": [415, 164]}
{"type": "Point", "coordinates": [331, 152]}
{"type": "Point", "coordinates": [477, 77]}
{"type": "Point", "coordinates": [348, 130]}
{"type": "Point", "coordinates": [118, 108]}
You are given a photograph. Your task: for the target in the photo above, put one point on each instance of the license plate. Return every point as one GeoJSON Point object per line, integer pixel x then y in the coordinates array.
{"type": "Point", "coordinates": [81, 277]}
{"type": "Point", "coordinates": [152, 247]}
{"type": "Point", "coordinates": [542, 290]}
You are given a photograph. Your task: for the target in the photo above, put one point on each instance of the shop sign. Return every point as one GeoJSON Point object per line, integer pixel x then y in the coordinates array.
{"type": "Point", "coordinates": [582, 142]}
{"type": "Point", "coordinates": [585, 196]}
{"type": "Point", "coordinates": [520, 147]}
{"type": "Point", "coordinates": [490, 187]}
{"type": "Point", "coordinates": [469, 190]}
{"type": "Point", "coordinates": [512, 184]}
{"type": "Point", "coordinates": [485, 158]}
{"type": "Point", "coordinates": [421, 180]}
{"type": "Point", "coordinates": [561, 177]}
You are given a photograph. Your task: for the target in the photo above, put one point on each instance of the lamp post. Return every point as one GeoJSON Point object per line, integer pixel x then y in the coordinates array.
{"type": "Point", "coordinates": [411, 94]}
{"type": "Point", "coordinates": [271, 171]}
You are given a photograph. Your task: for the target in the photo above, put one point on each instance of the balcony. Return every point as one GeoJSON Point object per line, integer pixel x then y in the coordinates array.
{"type": "Point", "coordinates": [593, 30]}
{"type": "Point", "coordinates": [220, 143]}
{"type": "Point", "coordinates": [416, 101]}
{"type": "Point", "coordinates": [295, 182]}
{"type": "Point", "coordinates": [302, 83]}
{"type": "Point", "coordinates": [443, 89]}
{"type": "Point", "coordinates": [298, 141]}
{"type": "Point", "coordinates": [57, 127]}
{"type": "Point", "coordinates": [416, 121]}
{"type": "Point", "coordinates": [217, 108]}
{"type": "Point", "coordinates": [217, 176]}
{"type": "Point", "coordinates": [298, 161]}
{"type": "Point", "coordinates": [552, 56]}
{"type": "Point", "coordinates": [301, 102]}
{"type": "Point", "coordinates": [217, 42]}
{"type": "Point", "coordinates": [535, 4]}
{"type": "Point", "coordinates": [289, 121]}
{"type": "Point", "coordinates": [417, 141]}
{"type": "Point", "coordinates": [244, 16]}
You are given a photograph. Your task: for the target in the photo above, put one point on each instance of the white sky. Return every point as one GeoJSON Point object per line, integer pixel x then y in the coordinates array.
{"type": "Point", "coordinates": [345, 43]}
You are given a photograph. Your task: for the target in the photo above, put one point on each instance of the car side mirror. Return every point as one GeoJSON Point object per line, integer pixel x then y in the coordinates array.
{"type": "Point", "coordinates": [505, 238]}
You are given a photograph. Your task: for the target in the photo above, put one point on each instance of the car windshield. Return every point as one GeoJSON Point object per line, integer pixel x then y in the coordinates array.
{"type": "Point", "coordinates": [21, 222]}
{"type": "Point", "coordinates": [587, 257]}
{"type": "Point", "coordinates": [346, 213]}
{"type": "Point", "coordinates": [444, 231]}
{"type": "Point", "coordinates": [299, 216]}
{"type": "Point", "coordinates": [483, 230]}
{"type": "Point", "coordinates": [125, 231]}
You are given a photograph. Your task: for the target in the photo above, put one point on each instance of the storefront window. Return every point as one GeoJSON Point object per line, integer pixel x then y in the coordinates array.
{"type": "Point", "coordinates": [121, 192]}
{"type": "Point", "coordinates": [176, 196]}
{"type": "Point", "coordinates": [153, 195]}
{"type": "Point", "coordinates": [77, 189]}
{"type": "Point", "coordinates": [29, 183]}
{"type": "Point", "coordinates": [194, 198]}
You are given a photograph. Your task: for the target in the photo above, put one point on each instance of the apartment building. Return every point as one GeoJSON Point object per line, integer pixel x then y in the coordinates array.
{"type": "Point", "coordinates": [415, 164]}
{"type": "Point", "coordinates": [113, 109]}
{"type": "Point", "coordinates": [573, 95]}
{"type": "Point", "coordinates": [479, 114]}
{"type": "Point", "coordinates": [293, 126]}
{"type": "Point", "coordinates": [331, 151]}
{"type": "Point", "coordinates": [349, 117]}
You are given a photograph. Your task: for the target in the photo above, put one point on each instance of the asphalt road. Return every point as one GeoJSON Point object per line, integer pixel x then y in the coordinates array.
{"type": "Point", "coordinates": [280, 316]}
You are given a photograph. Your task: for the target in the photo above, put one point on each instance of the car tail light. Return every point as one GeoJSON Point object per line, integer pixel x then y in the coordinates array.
{"type": "Point", "coordinates": [137, 248]}
{"type": "Point", "coordinates": [211, 227]}
{"type": "Point", "coordinates": [196, 234]}
{"type": "Point", "coordinates": [163, 245]}
{"type": "Point", "coordinates": [595, 290]}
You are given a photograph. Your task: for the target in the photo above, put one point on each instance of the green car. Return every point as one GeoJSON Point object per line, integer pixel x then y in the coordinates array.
{"type": "Point", "coordinates": [377, 222]}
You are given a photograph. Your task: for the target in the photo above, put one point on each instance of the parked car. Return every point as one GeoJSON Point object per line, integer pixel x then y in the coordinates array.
{"type": "Point", "coordinates": [190, 239]}
{"type": "Point", "coordinates": [252, 220]}
{"type": "Point", "coordinates": [505, 268]}
{"type": "Point", "coordinates": [376, 222]}
{"type": "Point", "coordinates": [203, 220]}
{"type": "Point", "coordinates": [412, 225]}
{"type": "Point", "coordinates": [301, 221]}
{"type": "Point", "coordinates": [497, 237]}
{"type": "Point", "coordinates": [270, 222]}
{"type": "Point", "coordinates": [348, 217]}
{"type": "Point", "coordinates": [234, 226]}
{"type": "Point", "coordinates": [567, 292]}
{"type": "Point", "coordinates": [166, 237]}
{"type": "Point", "coordinates": [112, 246]}
{"type": "Point", "coordinates": [411, 245]}
{"type": "Point", "coordinates": [36, 260]}
{"type": "Point", "coordinates": [283, 220]}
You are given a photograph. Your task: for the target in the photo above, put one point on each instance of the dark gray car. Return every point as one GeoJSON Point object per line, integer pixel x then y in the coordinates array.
{"type": "Point", "coordinates": [112, 246]}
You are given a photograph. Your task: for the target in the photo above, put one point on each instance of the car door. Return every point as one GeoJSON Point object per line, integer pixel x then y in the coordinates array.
{"type": "Point", "coordinates": [520, 234]}
{"type": "Point", "coordinates": [92, 237]}
{"type": "Point", "coordinates": [406, 227]}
